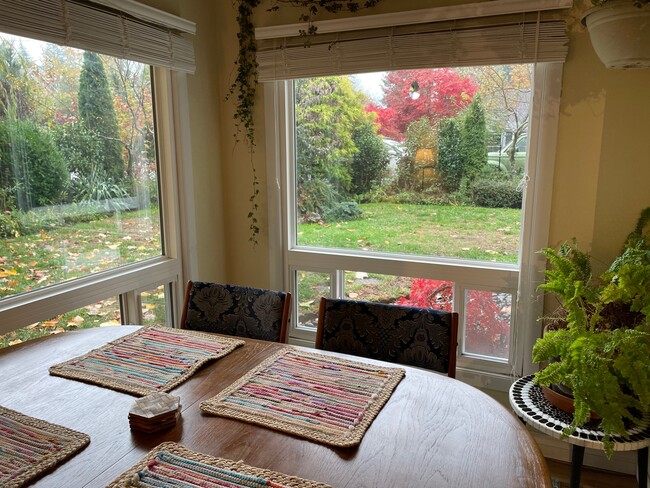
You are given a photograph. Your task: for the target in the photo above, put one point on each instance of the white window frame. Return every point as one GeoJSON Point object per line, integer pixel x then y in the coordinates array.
{"type": "Point", "coordinates": [519, 280]}
{"type": "Point", "coordinates": [177, 219]}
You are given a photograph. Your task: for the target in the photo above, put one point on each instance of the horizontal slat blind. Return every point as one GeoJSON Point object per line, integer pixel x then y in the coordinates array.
{"type": "Point", "coordinates": [97, 28]}
{"type": "Point", "coordinates": [495, 40]}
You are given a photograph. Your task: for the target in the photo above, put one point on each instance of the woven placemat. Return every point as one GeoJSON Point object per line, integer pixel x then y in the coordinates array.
{"type": "Point", "coordinates": [148, 360]}
{"type": "Point", "coordinates": [29, 447]}
{"type": "Point", "coordinates": [175, 465]}
{"type": "Point", "coordinates": [319, 397]}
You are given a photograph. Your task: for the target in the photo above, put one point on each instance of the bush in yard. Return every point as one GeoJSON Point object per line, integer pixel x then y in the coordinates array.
{"type": "Point", "coordinates": [474, 140]}
{"type": "Point", "coordinates": [97, 187]}
{"type": "Point", "coordinates": [343, 211]}
{"type": "Point", "coordinates": [370, 163]}
{"type": "Point", "coordinates": [450, 157]}
{"type": "Point", "coordinates": [80, 146]}
{"type": "Point", "coordinates": [496, 194]}
{"type": "Point", "coordinates": [486, 330]}
{"type": "Point", "coordinates": [315, 198]}
{"type": "Point", "coordinates": [31, 166]}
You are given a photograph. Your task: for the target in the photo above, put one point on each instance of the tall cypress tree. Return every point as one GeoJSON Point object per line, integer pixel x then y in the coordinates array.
{"type": "Point", "coordinates": [98, 114]}
{"type": "Point", "coordinates": [450, 157]}
{"type": "Point", "coordinates": [474, 139]}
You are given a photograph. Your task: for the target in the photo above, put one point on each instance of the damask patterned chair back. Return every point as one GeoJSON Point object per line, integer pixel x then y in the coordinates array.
{"type": "Point", "coordinates": [412, 336]}
{"type": "Point", "coordinates": [235, 310]}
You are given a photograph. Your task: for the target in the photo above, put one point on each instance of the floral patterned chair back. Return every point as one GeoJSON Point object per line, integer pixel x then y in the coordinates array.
{"type": "Point", "coordinates": [241, 311]}
{"type": "Point", "coordinates": [412, 336]}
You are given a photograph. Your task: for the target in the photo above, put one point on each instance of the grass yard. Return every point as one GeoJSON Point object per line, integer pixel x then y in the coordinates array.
{"type": "Point", "coordinates": [487, 234]}
{"type": "Point", "coordinates": [63, 252]}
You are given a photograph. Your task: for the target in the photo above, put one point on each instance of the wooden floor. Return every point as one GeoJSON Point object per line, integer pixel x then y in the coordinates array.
{"type": "Point", "coordinates": [590, 478]}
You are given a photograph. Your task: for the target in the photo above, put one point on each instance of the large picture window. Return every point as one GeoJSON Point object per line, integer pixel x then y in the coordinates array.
{"type": "Point", "coordinates": [411, 187]}
{"type": "Point", "coordinates": [415, 156]}
{"type": "Point", "coordinates": [78, 166]}
{"type": "Point", "coordinates": [89, 229]}
{"type": "Point", "coordinates": [416, 163]}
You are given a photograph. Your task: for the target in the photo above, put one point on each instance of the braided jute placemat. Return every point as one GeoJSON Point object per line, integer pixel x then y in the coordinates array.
{"type": "Point", "coordinates": [148, 360]}
{"type": "Point", "coordinates": [319, 397]}
{"type": "Point", "coordinates": [30, 447]}
{"type": "Point", "coordinates": [171, 463]}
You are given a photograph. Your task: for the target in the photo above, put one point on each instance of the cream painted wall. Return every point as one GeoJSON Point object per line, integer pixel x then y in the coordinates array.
{"type": "Point", "coordinates": [602, 166]}
{"type": "Point", "coordinates": [205, 97]}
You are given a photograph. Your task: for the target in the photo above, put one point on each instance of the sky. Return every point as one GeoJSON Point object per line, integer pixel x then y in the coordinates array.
{"type": "Point", "coordinates": [370, 84]}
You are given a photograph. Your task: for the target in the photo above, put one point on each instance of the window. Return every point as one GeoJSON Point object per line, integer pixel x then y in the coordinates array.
{"type": "Point", "coordinates": [88, 180]}
{"type": "Point", "coordinates": [387, 191]}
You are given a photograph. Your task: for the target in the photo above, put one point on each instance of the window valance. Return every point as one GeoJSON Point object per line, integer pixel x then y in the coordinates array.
{"type": "Point", "coordinates": [523, 37]}
{"type": "Point", "coordinates": [120, 28]}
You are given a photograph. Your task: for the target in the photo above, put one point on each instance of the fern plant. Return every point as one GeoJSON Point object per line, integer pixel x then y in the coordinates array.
{"type": "Point", "coordinates": [599, 341]}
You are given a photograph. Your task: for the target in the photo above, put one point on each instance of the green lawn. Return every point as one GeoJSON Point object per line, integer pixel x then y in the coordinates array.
{"type": "Point", "coordinates": [486, 234]}
{"type": "Point", "coordinates": [63, 252]}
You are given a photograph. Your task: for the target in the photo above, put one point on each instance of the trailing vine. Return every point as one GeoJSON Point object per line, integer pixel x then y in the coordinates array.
{"type": "Point", "coordinates": [244, 88]}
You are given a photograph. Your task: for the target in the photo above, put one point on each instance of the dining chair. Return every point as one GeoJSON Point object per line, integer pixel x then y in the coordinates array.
{"type": "Point", "coordinates": [254, 313]}
{"type": "Point", "coordinates": [412, 336]}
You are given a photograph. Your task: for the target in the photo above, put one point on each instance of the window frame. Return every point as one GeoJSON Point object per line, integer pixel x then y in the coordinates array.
{"type": "Point", "coordinates": [520, 280]}
{"type": "Point", "coordinates": [171, 109]}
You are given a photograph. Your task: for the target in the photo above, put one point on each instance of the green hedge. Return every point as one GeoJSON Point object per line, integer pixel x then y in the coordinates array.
{"type": "Point", "coordinates": [496, 194]}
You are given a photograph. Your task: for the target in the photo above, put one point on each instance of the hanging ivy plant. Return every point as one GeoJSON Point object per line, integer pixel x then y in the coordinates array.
{"type": "Point", "coordinates": [244, 88]}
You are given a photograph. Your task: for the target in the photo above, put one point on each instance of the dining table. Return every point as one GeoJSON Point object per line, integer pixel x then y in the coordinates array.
{"type": "Point", "coordinates": [434, 431]}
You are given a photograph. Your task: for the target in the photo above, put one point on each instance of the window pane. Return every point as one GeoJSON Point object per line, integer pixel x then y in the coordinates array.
{"type": "Point", "coordinates": [372, 287]}
{"type": "Point", "coordinates": [105, 313]}
{"type": "Point", "coordinates": [311, 286]}
{"type": "Point", "coordinates": [78, 170]}
{"type": "Point", "coordinates": [424, 162]}
{"type": "Point", "coordinates": [487, 323]}
{"type": "Point", "coordinates": [154, 306]}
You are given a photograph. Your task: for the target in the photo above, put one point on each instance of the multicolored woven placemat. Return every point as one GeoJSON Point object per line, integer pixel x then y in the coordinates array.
{"type": "Point", "coordinates": [170, 464]}
{"type": "Point", "coordinates": [148, 360]}
{"type": "Point", "coordinates": [319, 397]}
{"type": "Point", "coordinates": [29, 447]}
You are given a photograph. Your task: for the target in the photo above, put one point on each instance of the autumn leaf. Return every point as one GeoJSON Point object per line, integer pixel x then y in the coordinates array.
{"type": "Point", "coordinates": [75, 321]}
{"type": "Point", "coordinates": [50, 323]}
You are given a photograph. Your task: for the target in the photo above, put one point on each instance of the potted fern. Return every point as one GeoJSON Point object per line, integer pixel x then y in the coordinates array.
{"type": "Point", "coordinates": [598, 342]}
{"type": "Point", "coordinates": [620, 32]}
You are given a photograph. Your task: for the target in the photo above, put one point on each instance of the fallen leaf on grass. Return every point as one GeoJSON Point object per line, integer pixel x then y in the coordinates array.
{"type": "Point", "coordinates": [75, 321]}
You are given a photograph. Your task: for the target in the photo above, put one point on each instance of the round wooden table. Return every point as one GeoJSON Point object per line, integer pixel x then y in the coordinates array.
{"type": "Point", "coordinates": [434, 431]}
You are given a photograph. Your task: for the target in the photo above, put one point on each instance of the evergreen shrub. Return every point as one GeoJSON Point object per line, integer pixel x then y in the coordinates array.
{"type": "Point", "coordinates": [495, 194]}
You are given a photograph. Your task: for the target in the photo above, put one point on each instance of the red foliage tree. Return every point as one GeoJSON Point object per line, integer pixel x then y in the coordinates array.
{"type": "Point", "coordinates": [487, 331]}
{"type": "Point", "coordinates": [442, 94]}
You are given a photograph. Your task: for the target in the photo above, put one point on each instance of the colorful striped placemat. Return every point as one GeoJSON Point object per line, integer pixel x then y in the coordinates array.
{"type": "Point", "coordinates": [323, 398]}
{"type": "Point", "coordinates": [148, 360]}
{"type": "Point", "coordinates": [29, 447]}
{"type": "Point", "coordinates": [172, 465]}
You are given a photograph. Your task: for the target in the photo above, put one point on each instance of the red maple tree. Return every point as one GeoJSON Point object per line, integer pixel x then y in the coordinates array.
{"type": "Point", "coordinates": [442, 92]}
{"type": "Point", "coordinates": [487, 328]}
